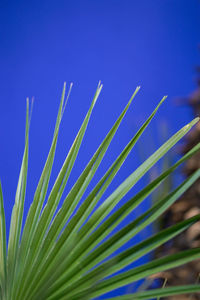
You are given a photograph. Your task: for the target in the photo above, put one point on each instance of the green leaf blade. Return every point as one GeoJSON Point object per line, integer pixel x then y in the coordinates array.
{"type": "Point", "coordinates": [161, 292]}
{"type": "Point", "coordinates": [17, 213]}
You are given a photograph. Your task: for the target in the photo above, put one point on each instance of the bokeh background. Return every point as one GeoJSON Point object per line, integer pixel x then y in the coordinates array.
{"type": "Point", "coordinates": [123, 43]}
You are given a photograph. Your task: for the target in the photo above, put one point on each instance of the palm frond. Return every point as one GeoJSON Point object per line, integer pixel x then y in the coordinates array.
{"type": "Point", "coordinates": [67, 255]}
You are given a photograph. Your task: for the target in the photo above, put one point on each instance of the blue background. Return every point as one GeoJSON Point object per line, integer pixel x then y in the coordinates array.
{"type": "Point", "coordinates": [123, 43]}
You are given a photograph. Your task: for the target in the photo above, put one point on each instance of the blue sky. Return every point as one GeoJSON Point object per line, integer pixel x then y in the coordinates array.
{"type": "Point", "coordinates": [123, 43]}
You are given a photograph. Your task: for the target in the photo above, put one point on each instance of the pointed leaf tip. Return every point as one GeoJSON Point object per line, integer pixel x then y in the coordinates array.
{"type": "Point", "coordinates": [162, 100]}
{"type": "Point", "coordinates": [67, 98]}
{"type": "Point", "coordinates": [165, 97]}
{"type": "Point", "coordinates": [100, 86]}
{"type": "Point", "coordinates": [134, 93]}
{"type": "Point", "coordinates": [192, 123]}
